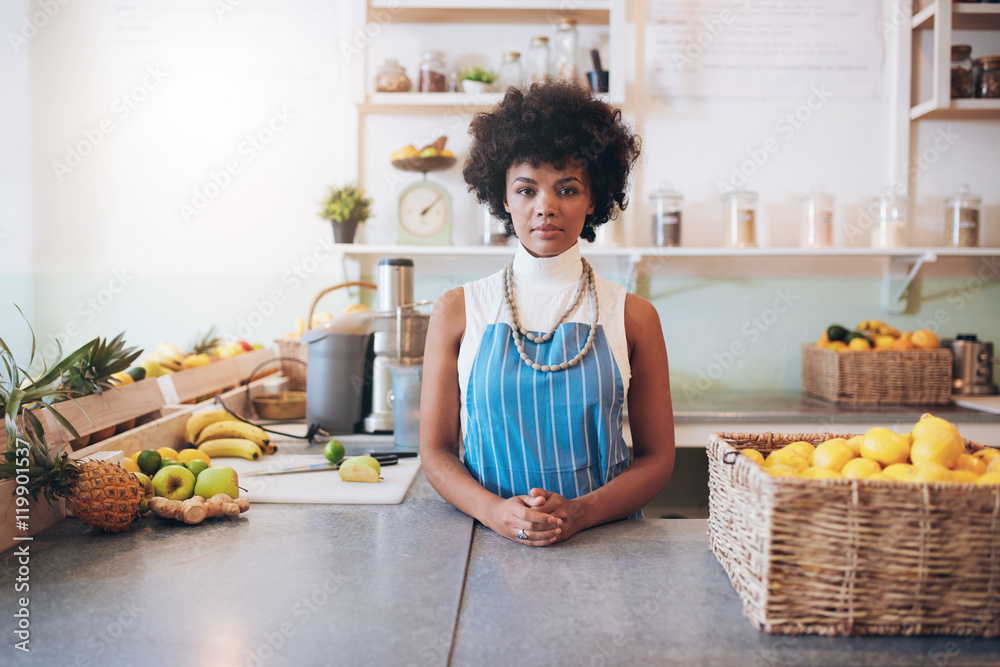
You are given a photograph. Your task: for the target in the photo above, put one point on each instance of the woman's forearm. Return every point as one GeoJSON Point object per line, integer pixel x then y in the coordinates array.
{"type": "Point", "coordinates": [452, 480]}
{"type": "Point", "coordinates": [627, 493]}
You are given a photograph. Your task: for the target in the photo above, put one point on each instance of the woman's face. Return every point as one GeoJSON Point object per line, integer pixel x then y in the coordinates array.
{"type": "Point", "coordinates": [548, 206]}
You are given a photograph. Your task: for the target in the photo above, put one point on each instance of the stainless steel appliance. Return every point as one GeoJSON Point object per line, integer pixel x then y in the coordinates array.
{"type": "Point", "coordinates": [972, 365]}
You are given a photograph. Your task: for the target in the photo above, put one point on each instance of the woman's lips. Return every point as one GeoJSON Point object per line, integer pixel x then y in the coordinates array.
{"type": "Point", "coordinates": [547, 231]}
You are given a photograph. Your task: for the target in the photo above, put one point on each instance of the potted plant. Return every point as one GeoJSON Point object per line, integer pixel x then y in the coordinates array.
{"type": "Point", "coordinates": [346, 207]}
{"type": "Point", "coordinates": [478, 81]}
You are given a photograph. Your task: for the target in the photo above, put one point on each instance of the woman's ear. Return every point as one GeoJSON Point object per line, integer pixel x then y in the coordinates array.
{"type": "Point", "coordinates": [506, 207]}
{"type": "Point", "coordinates": [593, 204]}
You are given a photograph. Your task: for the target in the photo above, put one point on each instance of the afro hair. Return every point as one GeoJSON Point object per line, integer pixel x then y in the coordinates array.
{"type": "Point", "coordinates": [554, 122]}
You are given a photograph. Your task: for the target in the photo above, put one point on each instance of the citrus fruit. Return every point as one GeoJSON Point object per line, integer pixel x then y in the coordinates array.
{"type": "Point", "coordinates": [334, 451]}
{"type": "Point", "coordinates": [168, 453]}
{"type": "Point", "coordinates": [188, 455]}
{"type": "Point", "coordinates": [860, 468]}
{"type": "Point", "coordinates": [935, 440]}
{"type": "Point", "coordinates": [804, 449]}
{"type": "Point", "coordinates": [880, 477]}
{"type": "Point", "coordinates": [855, 444]}
{"type": "Point", "coordinates": [884, 342]}
{"type": "Point", "coordinates": [859, 343]}
{"type": "Point", "coordinates": [903, 344]}
{"type": "Point", "coordinates": [994, 465]}
{"type": "Point", "coordinates": [758, 458]}
{"type": "Point", "coordinates": [987, 454]}
{"type": "Point", "coordinates": [170, 462]}
{"type": "Point", "coordinates": [964, 477]}
{"type": "Point", "coordinates": [925, 339]}
{"type": "Point", "coordinates": [786, 457]}
{"type": "Point", "coordinates": [149, 461]}
{"type": "Point", "coordinates": [780, 470]}
{"type": "Point", "coordinates": [131, 466]}
{"type": "Point", "coordinates": [989, 478]}
{"type": "Point", "coordinates": [970, 463]}
{"type": "Point", "coordinates": [197, 466]}
{"type": "Point", "coordinates": [837, 345]}
{"type": "Point", "coordinates": [832, 454]}
{"type": "Point", "coordinates": [896, 471]}
{"type": "Point", "coordinates": [813, 472]}
{"type": "Point", "coordinates": [927, 472]}
{"type": "Point", "coordinates": [885, 446]}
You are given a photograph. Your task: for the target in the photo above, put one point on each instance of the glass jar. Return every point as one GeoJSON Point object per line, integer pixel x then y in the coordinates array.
{"type": "Point", "coordinates": [987, 76]}
{"type": "Point", "coordinates": [433, 74]}
{"type": "Point", "coordinates": [961, 71]}
{"type": "Point", "coordinates": [961, 219]}
{"type": "Point", "coordinates": [494, 229]}
{"type": "Point", "coordinates": [817, 220]}
{"type": "Point", "coordinates": [391, 78]}
{"type": "Point", "coordinates": [891, 229]}
{"type": "Point", "coordinates": [564, 53]}
{"type": "Point", "coordinates": [510, 71]}
{"type": "Point", "coordinates": [538, 60]}
{"type": "Point", "coordinates": [666, 205]}
{"type": "Point", "coordinates": [741, 219]}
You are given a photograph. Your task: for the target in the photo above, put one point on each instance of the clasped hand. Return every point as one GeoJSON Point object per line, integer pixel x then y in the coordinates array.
{"type": "Point", "coordinates": [541, 517]}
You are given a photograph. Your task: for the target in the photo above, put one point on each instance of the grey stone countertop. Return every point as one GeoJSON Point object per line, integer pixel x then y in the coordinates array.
{"type": "Point", "coordinates": [408, 584]}
{"type": "Point", "coordinates": [770, 406]}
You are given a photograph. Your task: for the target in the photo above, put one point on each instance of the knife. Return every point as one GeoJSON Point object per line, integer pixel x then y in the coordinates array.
{"type": "Point", "coordinates": [383, 459]}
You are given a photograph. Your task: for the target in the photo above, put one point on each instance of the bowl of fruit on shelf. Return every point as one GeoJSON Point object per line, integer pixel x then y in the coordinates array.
{"type": "Point", "coordinates": [432, 157]}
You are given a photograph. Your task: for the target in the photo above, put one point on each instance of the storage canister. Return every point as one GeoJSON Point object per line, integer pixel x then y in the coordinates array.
{"type": "Point", "coordinates": [741, 219]}
{"type": "Point", "coordinates": [391, 78]}
{"type": "Point", "coordinates": [817, 220]}
{"type": "Point", "coordinates": [987, 73]}
{"type": "Point", "coordinates": [891, 229]}
{"type": "Point", "coordinates": [565, 51]}
{"type": "Point", "coordinates": [961, 71]}
{"type": "Point", "coordinates": [538, 60]}
{"type": "Point", "coordinates": [666, 205]}
{"type": "Point", "coordinates": [433, 76]}
{"type": "Point", "coordinates": [511, 74]}
{"type": "Point", "coordinates": [961, 219]}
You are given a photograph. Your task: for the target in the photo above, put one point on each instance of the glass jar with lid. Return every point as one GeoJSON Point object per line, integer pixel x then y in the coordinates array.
{"type": "Point", "coordinates": [391, 78]}
{"type": "Point", "coordinates": [564, 53]}
{"type": "Point", "coordinates": [817, 220]}
{"type": "Point", "coordinates": [961, 71]}
{"type": "Point", "coordinates": [961, 219]}
{"type": "Point", "coordinates": [511, 74]}
{"type": "Point", "coordinates": [891, 229]}
{"type": "Point", "coordinates": [666, 205]}
{"type": "Point", "coordinates": [538, 60]}
{"type": "Point", "coordinates": [433, 74]}
{"type": "Point", "coordinates": [741, 219]}
{"type": "Point", "coordinates": [987, 77]}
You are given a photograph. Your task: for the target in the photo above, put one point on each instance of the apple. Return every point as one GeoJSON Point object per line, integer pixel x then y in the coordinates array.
{"type": "Point", "coordinates": [245, 345]}
{"type": "Point", "coordinates": [429, 152]}
{"type": "Point", "coordinates": [197, 466]}
{"type": "Point", "coordinates": [217, 479]}
{"type": "Point", "coordinates": [360, 469]}
{"type": "Point", "coordinates": [174, 482]}
{"type": "Point", "coordinates": [147, 485]}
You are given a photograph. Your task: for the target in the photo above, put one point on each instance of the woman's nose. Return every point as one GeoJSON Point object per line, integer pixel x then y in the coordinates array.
{"type": "Point", "coordinates": [544, 205]}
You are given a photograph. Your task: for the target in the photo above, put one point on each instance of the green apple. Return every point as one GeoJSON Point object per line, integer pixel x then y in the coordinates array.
{"type": "Point", "coordinates": [217, 479]}
{"type": "Point", "coordinates": [334, 451]}
{"type": "Point", "coordinates": [174, 483]}
{"type": "Point", "coordinates": [147, 485]}
{"type": "Point", "coordinates": [360, 469]}
{"type": "Point", "coordinates": [429, 152]}
{"type": "Point", "coordinates": [197, 466]}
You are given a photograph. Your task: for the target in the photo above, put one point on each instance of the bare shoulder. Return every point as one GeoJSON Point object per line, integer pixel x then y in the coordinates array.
{"type": "Point", "coordinates": [641, 317]}
{"type": "Point", "coordinates": [448, 314]}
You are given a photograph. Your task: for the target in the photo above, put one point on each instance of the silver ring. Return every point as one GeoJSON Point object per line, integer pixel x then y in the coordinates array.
{"type": "Point", "coordinates": [521, 535]}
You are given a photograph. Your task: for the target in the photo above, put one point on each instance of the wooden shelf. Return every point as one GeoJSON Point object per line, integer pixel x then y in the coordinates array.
{"type": "Point", "coordinates": [964, 16]}
{"type": "Point", "coordinates": [586, 12]}
{"type": "Point", "coordinates": [960, 109]}
{"type": "Point", "coordinates": [437, 103]}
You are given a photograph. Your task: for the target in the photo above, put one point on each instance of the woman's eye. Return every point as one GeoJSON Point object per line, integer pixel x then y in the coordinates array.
{"type": "Point", "coordinates": [567, 191]}
{"type": "Point", "coordinates": [524, 192]}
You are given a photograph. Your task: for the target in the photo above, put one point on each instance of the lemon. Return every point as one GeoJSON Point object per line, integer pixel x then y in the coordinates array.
{"type": "Point", "coordinates": [987, 454]}
{"type": "Point", "coordinates": [188, 455]}
{"type": "Point", "coordinates": [880, 477]}
{"type": "Point", "coordinates": [804, 449]}
{"type": "Point", "coordinates": [989, 478]}
{"type": "Point", "coordinates": [925, 339]}
{"type": "Point", "coordinates": [837, 345]}
{"type": "Point", "coordinates": [779, 470]}
{"type": "Point", "coordinates": [130, 465]}
{"type": "Point", "coordinates": [994, 465]}
{"type": "Point", "coordinates": [758, 458]}
{"type": "Point", "coordinates": [786, 457]}
{"type": "Point", "coordinates": [860, 468]}
{"type": "Point", "coordinates": [884, 446]}
{"type": "Point", "coordinates": [927, 472]}
{"type": "Point", "coordinates": [970, 463]}
{"type": "Point", "coordinates": [813, 472]}
{"type": "Point", "coordinates": [855, 444]}
{"type": "Point", "coordinates": [832, 454]}
{"type": "Point", "coordinates": [897, 471]}
{"type": "Point", "coordinates": [168, 453]}
{"type": "Point", "coordinates": [938, 444]}
{"type": "Point", "coordinates": [883, 342]}
{"type": "Point", "coordinates": [860, 343]}
{"type": "Point", "coordinates": [964, 477]}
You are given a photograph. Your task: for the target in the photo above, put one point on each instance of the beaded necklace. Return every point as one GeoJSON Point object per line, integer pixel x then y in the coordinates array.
{"type": "Point", "coordinates": [586, 279]}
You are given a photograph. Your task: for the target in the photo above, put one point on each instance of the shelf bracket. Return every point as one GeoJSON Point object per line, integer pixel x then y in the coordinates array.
{"type": "Point", "coordinates": [896, 298]}
{"type": "Point", "coordinates": [631, 275]}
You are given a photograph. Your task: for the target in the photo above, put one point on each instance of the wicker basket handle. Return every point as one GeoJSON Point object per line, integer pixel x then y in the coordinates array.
{"type": "Point", "coordinates": [352, 283]}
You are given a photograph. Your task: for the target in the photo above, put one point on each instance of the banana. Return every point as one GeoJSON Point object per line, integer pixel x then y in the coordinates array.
{"type": "Point", "coordinates": [878, 327]}
{"type": "Point", "coordinates": [238, 447]}
{"type": "Point", "coordinates": [200, 420]}
{"type": "Point", "coordinates": [234, 429]}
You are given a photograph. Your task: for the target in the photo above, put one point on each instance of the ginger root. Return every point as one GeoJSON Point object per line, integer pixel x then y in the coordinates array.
{"type": "Point", "coordinates": [197, 509]}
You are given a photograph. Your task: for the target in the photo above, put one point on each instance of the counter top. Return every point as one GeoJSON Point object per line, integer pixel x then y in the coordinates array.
{"type": "Point", "coordinates": [412, 584]}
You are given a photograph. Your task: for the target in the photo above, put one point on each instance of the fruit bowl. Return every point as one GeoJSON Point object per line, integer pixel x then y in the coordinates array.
{"type": "Point", "coordinates": [424, 164]}
{"type": "Point", "coordinates": [285, 405]}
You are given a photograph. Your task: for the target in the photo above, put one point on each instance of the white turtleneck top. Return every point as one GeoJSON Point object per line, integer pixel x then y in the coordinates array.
{"type": "Point", "coordinates": [523, 428]}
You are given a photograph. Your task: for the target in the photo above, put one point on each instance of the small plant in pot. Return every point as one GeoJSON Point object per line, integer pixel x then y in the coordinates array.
{"type": "Point", "coordinates": [346, 207]}
{"type": "Point", "coordinates": [478, 81]}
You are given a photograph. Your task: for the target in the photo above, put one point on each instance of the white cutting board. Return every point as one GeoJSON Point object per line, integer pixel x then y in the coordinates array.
{"type": "Point", "coordinates": [984, 403]}
{"type": "Point", "coordinates": [323, 487]}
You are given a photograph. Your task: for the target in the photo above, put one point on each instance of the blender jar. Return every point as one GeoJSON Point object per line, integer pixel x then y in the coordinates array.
{"type": "Point", "coordinates": [666, 205]}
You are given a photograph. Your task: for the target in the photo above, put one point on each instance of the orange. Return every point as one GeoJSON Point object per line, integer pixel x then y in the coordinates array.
{"type": "Point", "coordinates": [925, 339]}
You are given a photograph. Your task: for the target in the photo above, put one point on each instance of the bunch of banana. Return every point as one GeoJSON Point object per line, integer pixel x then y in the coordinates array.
{"type": "Point", "coordinates": [218, 433]}
{"type": "Point", "coordinates": [878, 328]}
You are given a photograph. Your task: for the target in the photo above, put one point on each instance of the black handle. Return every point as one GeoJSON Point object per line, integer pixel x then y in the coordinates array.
{"type": "Point", "coordinates": [596, 57]}
{"type": "Point", "coordinates": [398, 455]}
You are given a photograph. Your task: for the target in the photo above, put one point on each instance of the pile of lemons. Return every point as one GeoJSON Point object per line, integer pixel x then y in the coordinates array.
{"type": "Point", "coordinates": [876, 335]}
{"type": "Point", "coordinates": [933, 452]}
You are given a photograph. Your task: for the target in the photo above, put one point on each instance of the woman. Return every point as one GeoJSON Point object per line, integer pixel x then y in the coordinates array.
{"type": "Point", "coordinates": [532, 365]}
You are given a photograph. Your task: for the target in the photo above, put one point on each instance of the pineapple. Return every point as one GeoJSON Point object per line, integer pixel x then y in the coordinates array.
{"type": "Point", "coordinates": [205, 343]}
{"type": "Point", "coordinates": [100, 494]}
{"type": "Point", "coordinates": [93, 373]}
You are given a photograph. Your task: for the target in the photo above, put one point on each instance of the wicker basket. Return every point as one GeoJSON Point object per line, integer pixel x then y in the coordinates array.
{"type": "Point", "coordinates": [875, 377]}
{"type": "Point", "coordinates": [853, 557]}
{"type": "Point", "coordinates": [293, 351]}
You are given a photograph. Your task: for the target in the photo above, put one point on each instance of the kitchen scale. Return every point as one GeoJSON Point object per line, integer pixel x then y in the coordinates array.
{"type": "Point", "coordinates": [424, 213]}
